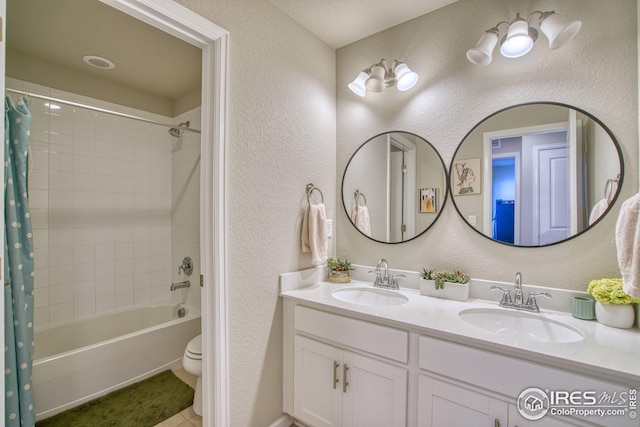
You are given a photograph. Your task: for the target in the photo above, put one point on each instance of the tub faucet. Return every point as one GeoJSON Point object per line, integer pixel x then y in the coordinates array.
{"type": "Point", "coordinates": [180, 285]}
{"type": "Point", "coordinates": [518, 302]}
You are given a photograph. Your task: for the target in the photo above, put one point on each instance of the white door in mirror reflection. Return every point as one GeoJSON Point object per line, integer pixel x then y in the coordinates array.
{"type": "Point", "coordinates": [529, 182]}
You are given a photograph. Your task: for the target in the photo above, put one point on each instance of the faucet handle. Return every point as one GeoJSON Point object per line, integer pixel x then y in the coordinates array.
{"type": "Point", "coordinates": [394, 280]}
{"type": "Point", "coordinates": [506, 295]}
{"type": "Point", "coordinates": [532, 304]}
{"type": "Point", "coordinates": [378, 280]}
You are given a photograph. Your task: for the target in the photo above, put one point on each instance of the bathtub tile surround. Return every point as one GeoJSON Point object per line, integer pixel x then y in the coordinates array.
{"type": "Point", "coordinates": [101, 195]}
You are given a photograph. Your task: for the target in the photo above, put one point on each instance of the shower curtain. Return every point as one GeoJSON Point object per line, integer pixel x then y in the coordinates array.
{"type": "Point", "coordinates": [18, 268]}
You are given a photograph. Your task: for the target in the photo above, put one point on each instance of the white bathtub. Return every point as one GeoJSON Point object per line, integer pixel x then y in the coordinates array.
{"type": "Point", "coordinates": [80, 361]}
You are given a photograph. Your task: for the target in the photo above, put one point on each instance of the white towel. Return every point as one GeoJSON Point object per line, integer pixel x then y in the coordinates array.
{"type": "Point", "coordinates": [628, 245]}
{"type": "Point", "coordinates": [598, 210]}
{"type": "Point", "coordinates": [314, 233]}
{"type": "Point", "coordinates": [360, 218]}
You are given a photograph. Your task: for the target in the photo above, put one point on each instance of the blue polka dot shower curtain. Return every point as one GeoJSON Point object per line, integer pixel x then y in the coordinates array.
{"type": "Point", "coordinates": [18, 268]}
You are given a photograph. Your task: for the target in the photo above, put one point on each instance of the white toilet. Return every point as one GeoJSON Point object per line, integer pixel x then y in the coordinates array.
{"type": "Point", "coordinates": [192, 363]}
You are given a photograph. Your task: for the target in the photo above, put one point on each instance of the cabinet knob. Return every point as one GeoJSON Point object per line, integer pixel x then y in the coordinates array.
{"type": "Point", "coordinates": [496, 423]}
{"type": "Point", "coordinates": [345, 383]}
{"type": "Point", "coordinates": [336, 365]}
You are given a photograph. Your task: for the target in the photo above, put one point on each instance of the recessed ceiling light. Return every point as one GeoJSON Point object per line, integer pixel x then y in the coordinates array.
{"type": "Point", "coordinates": [99, 62]}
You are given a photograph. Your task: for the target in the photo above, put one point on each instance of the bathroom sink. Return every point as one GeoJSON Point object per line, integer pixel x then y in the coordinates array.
{"type": "Point", "coordinates": [373, 297]}
{"type": "Point", "coordinates": [521, 325]}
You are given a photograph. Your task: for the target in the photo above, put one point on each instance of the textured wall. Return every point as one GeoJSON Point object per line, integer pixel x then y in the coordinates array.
{"type": "Point", "coordinates": [281, 136]}
{"type": "Point", "coordinates": [597, 71]}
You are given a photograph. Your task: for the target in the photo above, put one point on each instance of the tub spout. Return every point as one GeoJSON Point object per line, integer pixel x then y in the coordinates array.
{"type": "Point", "coordinates": [180, 285]}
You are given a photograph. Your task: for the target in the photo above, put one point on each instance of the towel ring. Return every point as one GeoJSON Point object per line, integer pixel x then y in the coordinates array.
{"type": "Point", "coordinates": [608, 188]}
{"type": "Point", "coordinates": [356, 196]}
{"type": "Point", "coordinates": [310, 189]}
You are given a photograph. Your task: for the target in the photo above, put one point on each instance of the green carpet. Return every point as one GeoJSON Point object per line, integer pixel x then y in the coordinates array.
{"type": "Point", "coordinates": [142, 404]}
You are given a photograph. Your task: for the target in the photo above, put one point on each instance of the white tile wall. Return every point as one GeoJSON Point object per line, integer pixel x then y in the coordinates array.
{"type": "Point", "coordinates": [101, 202]}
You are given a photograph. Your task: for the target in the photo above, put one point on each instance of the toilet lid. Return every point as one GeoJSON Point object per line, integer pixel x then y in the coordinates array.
{"type": "Point", "coordinates": [195, 346]}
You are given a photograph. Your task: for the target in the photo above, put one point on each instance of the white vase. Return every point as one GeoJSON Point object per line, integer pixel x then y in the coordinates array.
{"type": "Point", "coordinates": [454, 291]}
{"type": "Point", "coordinates": [615, 315]}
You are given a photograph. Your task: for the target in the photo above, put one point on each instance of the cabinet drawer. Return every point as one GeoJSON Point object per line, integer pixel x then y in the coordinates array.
{"type": "Point", "coordinates": [502, 374]}
{"type": "Point", "coordinates": [377, 339]}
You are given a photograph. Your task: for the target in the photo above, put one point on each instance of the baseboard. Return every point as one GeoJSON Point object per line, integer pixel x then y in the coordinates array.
{"type": "Point", "coordinates": [283, 421]}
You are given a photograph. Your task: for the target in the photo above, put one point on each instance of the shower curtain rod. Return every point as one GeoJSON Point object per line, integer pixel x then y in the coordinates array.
{"type": "Point", "coordinates": [98, 109]}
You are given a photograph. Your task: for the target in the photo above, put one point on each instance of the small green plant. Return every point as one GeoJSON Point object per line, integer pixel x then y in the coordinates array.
{"type": "Point", "coordinates": [339, 264]}
{"type": "Point", "coordinates": [609, 291]}
{"type": "Point", "coordinates": [440, 278]}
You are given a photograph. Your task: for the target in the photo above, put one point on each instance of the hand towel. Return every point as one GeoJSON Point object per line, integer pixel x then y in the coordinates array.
{"type": "Point", "coordinates": [360, 218]}
{"type": "Point", "coordinates": [598, 210]}
{"type": "Point", "coordinates": [314, 233]}
{"type": "Point", "coordinates": [628, 245]}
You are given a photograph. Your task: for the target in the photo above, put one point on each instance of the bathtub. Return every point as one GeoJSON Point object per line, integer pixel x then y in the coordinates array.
{"type": "Point", "coordinates": [79, 361]}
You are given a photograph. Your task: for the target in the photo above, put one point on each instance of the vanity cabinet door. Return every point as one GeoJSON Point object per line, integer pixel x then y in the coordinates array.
{"type": "Point", "coordinates": [317, 383]}
{"type": "Point", "coordinates": [442, 403]}
{"type": "Point", "coordinates": [334, 387]}
{"type": "Point", "coordinates": [375, 394]}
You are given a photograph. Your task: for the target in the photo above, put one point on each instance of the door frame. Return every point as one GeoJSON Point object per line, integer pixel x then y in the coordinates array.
{"type": "Point", "coordinates": [183, 23]}
{"type": "Point", "coordinates": [487, 138]}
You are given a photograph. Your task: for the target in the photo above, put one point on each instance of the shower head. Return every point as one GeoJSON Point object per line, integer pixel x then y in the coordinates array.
{"type": "Point", "coordinates": [175, 132]}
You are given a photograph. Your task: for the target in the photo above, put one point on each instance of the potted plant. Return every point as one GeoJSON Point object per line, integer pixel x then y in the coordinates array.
{"type": "Point", "coordinates": [613, 305]}
{"type": "Point", "coordinates": [339, 270]}
{"type": "Point", "coordinates": [450, 285]}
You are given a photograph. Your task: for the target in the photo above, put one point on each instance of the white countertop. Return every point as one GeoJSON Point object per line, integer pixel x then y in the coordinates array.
{"type": "Point", "coordinates": [607, 353]}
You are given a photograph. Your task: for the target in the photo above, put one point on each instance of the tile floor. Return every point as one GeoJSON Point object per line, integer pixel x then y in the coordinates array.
{"type": "Point", "coordinates": [186, 418]}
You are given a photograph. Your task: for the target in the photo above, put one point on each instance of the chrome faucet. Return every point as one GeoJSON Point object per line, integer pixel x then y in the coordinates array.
{"type": "Point", "coordinates": [180, 285]}
{"type": "Point", "coordinates": [518, 302]}
{"type": "Point", "coordinates": [517, 290]}
{"type": "Point", "coordinates": [383, 278]}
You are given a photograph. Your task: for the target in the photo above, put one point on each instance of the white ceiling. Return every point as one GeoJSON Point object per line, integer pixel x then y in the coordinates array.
{"type": "Point", "coordinates": [60, 32]}
{"type": "Point", "coordinates": [341, 22]}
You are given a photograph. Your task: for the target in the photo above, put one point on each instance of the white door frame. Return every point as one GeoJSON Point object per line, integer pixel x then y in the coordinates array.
{"type": "Point", "coordinates": [487, 138]}
{"type": "Point", "coordinates": [186, 25]}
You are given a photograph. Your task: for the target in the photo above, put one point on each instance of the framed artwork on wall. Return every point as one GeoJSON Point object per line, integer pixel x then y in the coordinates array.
{"type": "Point", "coordinates": [428, 200]}
{"type": "Point", "coordinates": [465, 177]}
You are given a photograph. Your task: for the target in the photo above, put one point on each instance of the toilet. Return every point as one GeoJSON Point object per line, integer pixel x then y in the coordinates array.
{"type": "Point", "coordinates": [192, 363]}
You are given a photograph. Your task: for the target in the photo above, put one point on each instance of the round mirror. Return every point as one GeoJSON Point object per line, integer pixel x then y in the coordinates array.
{"type": "Point", "coordinates": [394, 187]}
{"type": "Point", "coordinates": [536, 174]}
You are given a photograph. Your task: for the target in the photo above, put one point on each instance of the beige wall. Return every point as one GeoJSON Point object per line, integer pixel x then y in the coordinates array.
{"type": "Point", "coordinates": [597, 72]}
{"type": "Point", "coordinates": [281, 136]}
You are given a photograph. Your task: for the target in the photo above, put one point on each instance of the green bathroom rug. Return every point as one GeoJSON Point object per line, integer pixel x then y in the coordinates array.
{"type": "Point", "coordinates": [143, 404]}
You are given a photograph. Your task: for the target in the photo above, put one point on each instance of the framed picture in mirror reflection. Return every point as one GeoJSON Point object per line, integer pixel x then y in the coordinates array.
{"type": "Point", "coordinates": [466, 177]}
{"type": "Point", "coordinates": [428, 200]}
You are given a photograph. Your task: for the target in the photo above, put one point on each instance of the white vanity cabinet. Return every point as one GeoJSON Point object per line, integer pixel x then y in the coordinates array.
{"type": "Point", "coordinates": [352, 367]}
{"type": "Point", "coordinates": [347, 372]}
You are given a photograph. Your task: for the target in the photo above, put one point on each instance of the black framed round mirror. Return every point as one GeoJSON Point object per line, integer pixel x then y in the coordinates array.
{"type": "Point", "coordinates": [536, 174]}
{"type": "Point", "coordinates": [394, 187]}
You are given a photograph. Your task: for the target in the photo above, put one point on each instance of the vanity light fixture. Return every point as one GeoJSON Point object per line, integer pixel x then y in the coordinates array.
{"type": "Point", "coordinates": [380, 76]}
{"type": "Point", "coordinates": [521, 35]}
